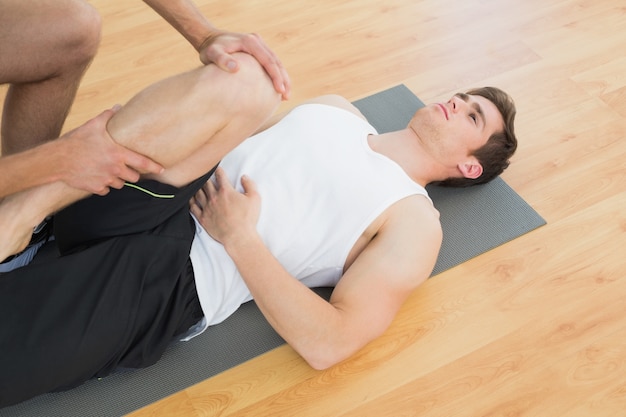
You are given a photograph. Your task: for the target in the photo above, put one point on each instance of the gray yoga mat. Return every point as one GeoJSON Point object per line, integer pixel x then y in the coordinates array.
{"type": "Point", "coordinates": [474, 220]}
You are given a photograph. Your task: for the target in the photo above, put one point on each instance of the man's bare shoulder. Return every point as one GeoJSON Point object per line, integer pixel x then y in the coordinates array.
{"type": "Point", "coordinates": [414, 211]}
{"type": "Point", "coordinates": [425, 205]}
{"type": "Point", "coordinates": [402, 242]}
{"type": "Point", "coordinates": [412, 227]}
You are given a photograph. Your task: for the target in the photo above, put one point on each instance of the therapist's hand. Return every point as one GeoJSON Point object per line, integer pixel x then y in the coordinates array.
{"type": "Point", "coordinates": [92, 161]}
{"type": "Point", "coordinates": [219, 48]}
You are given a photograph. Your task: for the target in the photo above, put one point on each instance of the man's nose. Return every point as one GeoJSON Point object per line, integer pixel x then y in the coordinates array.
{"type": "Point", "coordinates": [456, 104]}
{"type": "Point", "coordinates": [452, 104]}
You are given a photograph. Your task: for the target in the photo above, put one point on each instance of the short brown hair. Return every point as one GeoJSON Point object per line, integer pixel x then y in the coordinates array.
{"type": "Point", "coordinates": [495, 154]}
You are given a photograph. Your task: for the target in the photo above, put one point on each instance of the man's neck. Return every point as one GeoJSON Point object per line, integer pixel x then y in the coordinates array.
{"type": "Point", "coordinates": [403, 147]}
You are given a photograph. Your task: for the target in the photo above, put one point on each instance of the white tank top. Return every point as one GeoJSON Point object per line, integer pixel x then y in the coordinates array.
{"type": "Point", "coordinates": [321, 185]}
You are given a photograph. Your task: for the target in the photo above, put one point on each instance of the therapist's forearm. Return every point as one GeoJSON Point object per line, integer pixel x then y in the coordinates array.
{"type": "Point", "coordinates": [29, 169]}
{"type": "Point", "coordinates": [186, 18]}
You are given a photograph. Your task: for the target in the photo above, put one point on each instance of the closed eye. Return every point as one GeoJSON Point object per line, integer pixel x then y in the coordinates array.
{"type": "Point", "coordinates": [478, 111]}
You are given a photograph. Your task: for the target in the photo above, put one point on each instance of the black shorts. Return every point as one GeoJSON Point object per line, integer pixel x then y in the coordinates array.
{"type": "Point", "coordinates": [108, 302]}
{"type": "Point", "coordinates": [135, 208]}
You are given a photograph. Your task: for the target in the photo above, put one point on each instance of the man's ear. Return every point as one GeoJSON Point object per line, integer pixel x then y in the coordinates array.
{"type": "Point", "coordinates": [471, 169]}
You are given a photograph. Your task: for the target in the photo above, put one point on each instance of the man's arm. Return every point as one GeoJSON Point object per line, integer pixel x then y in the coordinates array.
{"type": "Point", "coordinates": [370, 293]}
{"type": "Point", "coordinates": [217, 46]}
{"type": "Point", "coordinates": [85, 158]}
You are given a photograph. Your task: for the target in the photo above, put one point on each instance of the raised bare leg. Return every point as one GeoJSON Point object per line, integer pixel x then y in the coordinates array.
{"type": "Point", "coordinates": [187, 123]}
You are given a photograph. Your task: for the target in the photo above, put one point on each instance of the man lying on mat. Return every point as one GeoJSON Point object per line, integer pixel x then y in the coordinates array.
{"type": "Point", "coordinates": [315, 198]}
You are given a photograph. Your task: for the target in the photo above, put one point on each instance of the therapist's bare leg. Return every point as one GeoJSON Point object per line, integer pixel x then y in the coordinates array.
{"type": "Point", "coordinates": [187, 123]}
{"type": "Point", "coordinates": [46, 47]}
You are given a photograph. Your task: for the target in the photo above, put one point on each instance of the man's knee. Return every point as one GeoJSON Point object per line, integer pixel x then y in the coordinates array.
{"type": "Point", "coordinates": [250, 89]}
{"type": "Point", "coordinates": [82, 29]}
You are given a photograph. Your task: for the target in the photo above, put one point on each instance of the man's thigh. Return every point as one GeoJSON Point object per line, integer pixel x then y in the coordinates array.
{"type": "Point", "coordinates": [136, 208]}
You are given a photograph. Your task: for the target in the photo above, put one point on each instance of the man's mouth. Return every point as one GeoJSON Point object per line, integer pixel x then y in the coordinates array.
{"type": "Point", "coordinates": [444, 110]}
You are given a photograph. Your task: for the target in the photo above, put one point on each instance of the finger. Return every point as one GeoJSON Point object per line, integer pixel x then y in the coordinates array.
{"type": "Point", "coordinates": [222, 179]}
{"type": "Point", "coordinates": [249, 186]}
{"type": "Point", "coordinates": [286, 84]}
{"type": "Point", "coordinates": [281, 85]}
{"type": "Point", "coordinates": [129, 175]}
{"type": "Point", "coordinates": [257, 47]}
{"type": "Point", "coordinates": [200, 197]}
{"type": "Point", "coordinates": [221, 58]}
{"type": "Point", "coordinates": [214, 51]}
{"type": "Point", "coordinates": [104, 117]}
{"type": "Point", "coordinates": [209, 187]}
{"type": "Point", "coordinates": [279, 78]}
{"type": "Point", "coordinates": [140, 163]}
{"type": "Point", "coordinates": [195, 206]}
{"type": "Point", "coordinates": [195, 210]}
{"type": "Point", "coordinates": [227, 62]}
{"type": "Point", "coordinates": [102, 191]}
{"type": "Point", "coordinates": [117, 183]}
{"type": "Point", "coordinates": [97, 123]}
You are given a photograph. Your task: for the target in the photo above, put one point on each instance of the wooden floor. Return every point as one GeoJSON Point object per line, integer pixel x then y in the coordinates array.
{"type": "Point", "coordinates": [536, 327]}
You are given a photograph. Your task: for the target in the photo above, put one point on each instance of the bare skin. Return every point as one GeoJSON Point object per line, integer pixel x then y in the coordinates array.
{"type": "Point", "coordinates": [217, 46]}
{"type": "Point", "coordinates": [150, 123]}
{"type": "Point", "coordinates": [51, 44]}
{"type": "Point", "coordinates": [70, 159]}
{"type": "Point", "coordinates": [44, 74]}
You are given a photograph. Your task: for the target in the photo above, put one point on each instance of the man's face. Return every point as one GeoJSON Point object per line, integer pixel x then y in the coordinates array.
{"type": "Point", "coordinates": [450, 132]}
